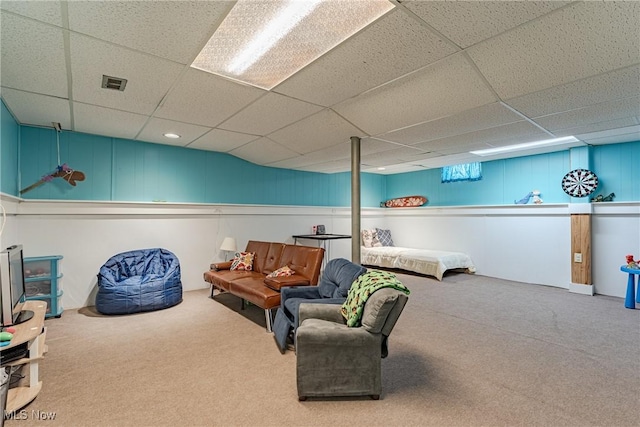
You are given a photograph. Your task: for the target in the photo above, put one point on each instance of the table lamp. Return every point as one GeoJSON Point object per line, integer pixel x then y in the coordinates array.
{"type": "Point", "coordinates": [228, 245]}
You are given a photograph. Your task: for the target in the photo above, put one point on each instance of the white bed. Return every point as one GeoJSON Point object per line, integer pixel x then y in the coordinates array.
{"type": "Point", "coordinates": [423, 261]}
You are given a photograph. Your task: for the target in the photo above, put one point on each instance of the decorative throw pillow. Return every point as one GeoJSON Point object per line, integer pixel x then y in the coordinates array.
{"type": "Point", "coordinates": [281, 272]}
{"type": "Point", "coordinates": [370, 239]}
{"type": "Point", "coordinates": [242, 261]}
{"type": "Point", "coordinates": [384, 236]}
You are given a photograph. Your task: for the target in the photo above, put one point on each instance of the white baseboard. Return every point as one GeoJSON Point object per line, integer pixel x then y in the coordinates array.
{"type": "Point", "coordinates": [579, 288]}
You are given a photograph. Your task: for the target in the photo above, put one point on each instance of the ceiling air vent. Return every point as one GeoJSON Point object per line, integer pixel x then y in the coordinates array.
{"type": "Point", "coordinates": [115, 83]}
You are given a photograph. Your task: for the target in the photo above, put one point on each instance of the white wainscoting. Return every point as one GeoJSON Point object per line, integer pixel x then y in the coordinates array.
{"type": "Point", "coordinates": [525, 243]}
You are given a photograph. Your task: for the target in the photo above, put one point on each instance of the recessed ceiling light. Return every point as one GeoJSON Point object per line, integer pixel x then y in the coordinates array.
{"type": "Point", "coordinates": [526, 146]}
{"type": "Point", "coordinates": [381, 168]}
{"type": "Point", "coordinates": [262, 42]}
{"type": "Point", "coordinates": [172, 135]}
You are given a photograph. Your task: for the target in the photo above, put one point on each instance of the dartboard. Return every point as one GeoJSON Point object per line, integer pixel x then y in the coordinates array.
{"type": "Point", "coordinates": [580, 183]}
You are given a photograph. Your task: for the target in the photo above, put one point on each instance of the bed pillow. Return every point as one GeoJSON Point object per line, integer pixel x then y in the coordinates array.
{"type": "Point", "coordinates": [370, 238]}
{"type": "Point", "coordinates": [242, 261]}
{"type": "Point", "coordinates": [384, 237]}
{"type": "Point", "coordinates": [282, 272]}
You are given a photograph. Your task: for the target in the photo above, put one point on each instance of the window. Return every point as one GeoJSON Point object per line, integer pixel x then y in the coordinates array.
{"type": "Point", "coordinates": [462, 172]}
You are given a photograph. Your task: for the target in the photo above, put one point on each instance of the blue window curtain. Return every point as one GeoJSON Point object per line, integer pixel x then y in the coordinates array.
{"type": "Point", "coordinates": [462, 172]}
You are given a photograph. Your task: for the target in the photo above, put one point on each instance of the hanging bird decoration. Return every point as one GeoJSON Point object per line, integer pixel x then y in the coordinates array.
{"type": "Point", "coordinates": [62, 170]}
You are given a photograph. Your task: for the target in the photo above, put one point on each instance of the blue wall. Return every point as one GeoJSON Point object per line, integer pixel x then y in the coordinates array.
{"type": "Point", "coordinates": [126, 170]}
{"type": "Point", "coordinates": [9, 141]}
{"type": "Point", "coordinates": [618, 170]}
{"type": "Point", "coordinates": [505, 181]}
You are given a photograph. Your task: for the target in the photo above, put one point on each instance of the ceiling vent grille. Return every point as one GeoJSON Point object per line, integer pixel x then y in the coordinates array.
{"type": "Point", "coordinates": [115, 83]}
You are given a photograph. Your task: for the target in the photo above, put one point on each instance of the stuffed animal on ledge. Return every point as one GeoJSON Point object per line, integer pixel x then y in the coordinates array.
{"type": "Point", "coordinates": [536, 197]}
{"type": "Point", "coordinates": [601, 198]}
{"type": "Point", "coordinates": [631, 263]}
{"type": "Point", "coordinates": [524, 200]}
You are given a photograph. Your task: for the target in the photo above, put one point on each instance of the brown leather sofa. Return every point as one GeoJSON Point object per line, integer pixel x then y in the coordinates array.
{"type": "Point", "coordinates": [254, 286]}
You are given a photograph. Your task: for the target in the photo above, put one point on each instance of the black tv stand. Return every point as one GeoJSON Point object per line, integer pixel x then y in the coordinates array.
{"type": "Point", "coordinates": [23, 316]}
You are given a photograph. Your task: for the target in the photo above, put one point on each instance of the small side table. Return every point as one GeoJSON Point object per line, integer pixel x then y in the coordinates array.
{"type": "Point", "coordinates": [631, 287]}
{"type": "Point", "coordinates": [322, 239]}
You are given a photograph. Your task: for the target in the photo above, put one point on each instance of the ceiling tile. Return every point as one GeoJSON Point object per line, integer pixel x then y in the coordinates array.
{"type": "Point", "coordinates": [456, 159]}
{"type": "Point", "coordinates": [155, 129]}
{"type": "Point", "coordinates": [486, 116]}
{"type": "Point", "coordinates": [206, 99]}
{"type": "Point", "coordinates": [589, 91]}
{"type": "Point", "coordinates": [268, 114]}
{"type": "Point", "coordinates": [33, 56]}
{"type": "Point", "coordinates": [341, 151]}
{"type": "Point", "coordinates": [174, 30]}
{"type": "Point", "coordinates": [375, 145]}
{"type": "Point", "coordinates": [396, 155]}
{"type": "Point", "coordinates": [106, 121]}
{"type": "Point", "coordinates": [144, 90]}
{"type": "Point", "coordinates": [447, 87]}
{"type": "Point", "coordinates": [583, 40]}
{"type": "Point", "coordinates": [575, 68]}
{"type": "Point", "coordinates": [38, 110]}
{"type": "Point", "coordinates": [221, 140]}
{"type": "Point", "coordinates": [604, 111]}
{"type": "Point", "coordinates": [394, 45]}
{"type": "Point", "coordinates": [45, 11]}
{"type": "Point", "coordinates": [514, 133]}
{"type": "Point", "coordinates": [610, 136]}
{"type": "Point", "coordinates": [263, 151]}
{"type": "Point", "coordinates": [390, 170]}
{"type": "Point", "coordinates": [321, 130]}
{"type": "Point", "coordinates": [469, 22]}
{"type": "Point", "coordinates": [336, 166]}
{"type": "Point", "coordinates": [600, 126]}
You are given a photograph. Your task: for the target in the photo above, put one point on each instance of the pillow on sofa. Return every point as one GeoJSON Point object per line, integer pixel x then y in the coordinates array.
{"type": "Point", "coordinates": [370, 238]}
{"type": "Point", "coordinates": [281, 272]}
{"type": "Point", "coordinates": [384, 237]}
{"type": "Point", "coordinates": [242, 261]}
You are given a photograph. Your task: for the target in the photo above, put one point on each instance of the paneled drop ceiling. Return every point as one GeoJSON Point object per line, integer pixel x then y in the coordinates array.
{"type": "Point", "coordinates": [422, 86]}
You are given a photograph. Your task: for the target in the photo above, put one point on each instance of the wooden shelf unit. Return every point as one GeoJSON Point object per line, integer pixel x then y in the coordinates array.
{"type": "Point", "coordinates": [33, 333]}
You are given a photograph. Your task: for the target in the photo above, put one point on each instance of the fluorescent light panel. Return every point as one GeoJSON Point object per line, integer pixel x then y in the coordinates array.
{"type": "Point", "coordinates": [526, 146]}
{"type": "Point", "coordinates": [263, 42]}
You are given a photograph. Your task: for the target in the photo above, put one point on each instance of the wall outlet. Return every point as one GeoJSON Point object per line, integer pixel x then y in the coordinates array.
{"type": "Point", "coordinates": [577, 257]}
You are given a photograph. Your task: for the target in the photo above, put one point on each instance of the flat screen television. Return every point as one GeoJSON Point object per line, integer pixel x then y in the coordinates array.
{"type": "Point", "coordinates": [12, 287]}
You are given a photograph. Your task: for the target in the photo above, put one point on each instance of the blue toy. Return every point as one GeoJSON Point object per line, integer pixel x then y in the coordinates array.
{"type": "Point", "coordinates": [525, 199]}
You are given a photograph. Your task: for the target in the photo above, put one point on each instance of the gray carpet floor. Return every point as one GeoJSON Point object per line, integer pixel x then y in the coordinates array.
{"type": "Point", "coordinates": [467, 351]}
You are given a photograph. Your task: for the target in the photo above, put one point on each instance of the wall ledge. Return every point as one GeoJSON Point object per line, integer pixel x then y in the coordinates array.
{"type": "Point", "coordinates": [18, 206]}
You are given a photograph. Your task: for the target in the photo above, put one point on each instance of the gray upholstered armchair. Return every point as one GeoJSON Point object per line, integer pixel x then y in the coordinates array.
{"type": "Point", "coordinates": [333, 359]}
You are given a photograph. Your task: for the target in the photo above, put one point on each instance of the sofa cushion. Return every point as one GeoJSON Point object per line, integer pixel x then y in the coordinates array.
{"type": "Point", "coordinates": [277, 283]}
{"type": "Point", "coordinates": [252, 289]}
{"type": "Point", "coordinates": [242, 261]}
{"type": "Point", "coordinates": [267, 255]}
{"type": "Point", "coordinates": [304, 260]}
{"type": "Point", "coordinates": [222, 278]}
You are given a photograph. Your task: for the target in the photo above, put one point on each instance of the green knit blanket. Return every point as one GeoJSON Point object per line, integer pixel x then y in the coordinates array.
{"type": "Point", "coordinates": [361, 290]}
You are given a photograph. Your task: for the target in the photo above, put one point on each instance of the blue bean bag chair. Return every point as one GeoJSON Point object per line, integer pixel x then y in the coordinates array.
{"type": "Point", "coordinates": [140, 280]}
